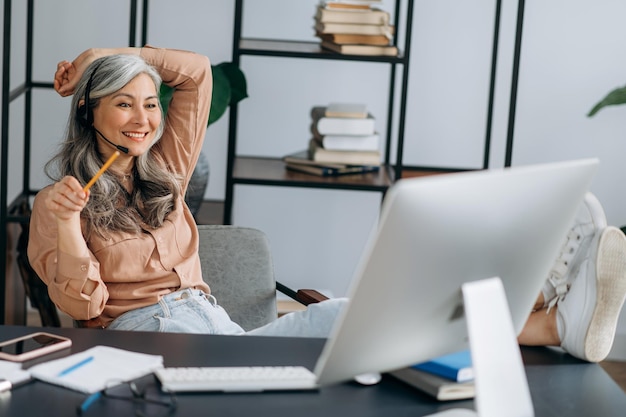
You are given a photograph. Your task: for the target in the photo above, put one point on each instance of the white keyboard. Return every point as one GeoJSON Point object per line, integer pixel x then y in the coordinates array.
{"type": "Point", "coordinates": [236, 378]}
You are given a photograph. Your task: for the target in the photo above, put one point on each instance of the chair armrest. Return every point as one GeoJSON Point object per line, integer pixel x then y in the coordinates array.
{"type": "Point", "coordinates": [308, 296]}
{"type": "Point", "coordinates": [304, 296]}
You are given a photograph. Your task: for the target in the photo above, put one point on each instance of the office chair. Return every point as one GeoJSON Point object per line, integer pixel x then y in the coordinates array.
{"type": "Point", "coordinates": [36, 290]}
{"type": "Point", "coordinates": [236, 263]}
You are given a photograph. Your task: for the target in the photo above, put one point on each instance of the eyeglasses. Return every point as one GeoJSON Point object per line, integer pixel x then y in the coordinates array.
{"type": "Point", "coordinates": [147, 401]}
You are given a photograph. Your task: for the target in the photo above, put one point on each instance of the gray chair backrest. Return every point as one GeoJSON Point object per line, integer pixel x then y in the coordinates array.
{"type": "Point", "coordinates": [237, 265]}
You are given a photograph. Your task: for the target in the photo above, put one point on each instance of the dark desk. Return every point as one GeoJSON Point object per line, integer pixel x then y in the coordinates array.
{"type": "Point", "coordinates": [560, 385]}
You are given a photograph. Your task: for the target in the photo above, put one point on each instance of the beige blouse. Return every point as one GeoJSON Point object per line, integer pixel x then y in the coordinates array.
{"type": "Point", "coordinates": [133, 271]}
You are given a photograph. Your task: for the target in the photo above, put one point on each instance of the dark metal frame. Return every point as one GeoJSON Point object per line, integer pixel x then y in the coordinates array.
{"type": "Point", "coordinates": [10, 212]}
{"type": "Point", "coordinates": [396, 169]}
{"type": "Point", "coordinates": [239, 50]}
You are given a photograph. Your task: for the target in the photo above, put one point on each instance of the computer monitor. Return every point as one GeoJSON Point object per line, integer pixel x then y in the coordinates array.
{"type": "Point", "coordinates": [437, 234]}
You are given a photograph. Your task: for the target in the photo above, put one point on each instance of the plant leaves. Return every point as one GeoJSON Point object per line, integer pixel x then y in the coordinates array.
{"type": "Point", "coordinates": [614, 98]}
{"type": "Point", "coordinates": [236, 80]}
{"type": "Point", "coordinates": [221, 95]}
{"type": "Point", "coordinates": [229, 87]}
{"type": "Point", "coordinates": [165, 96]}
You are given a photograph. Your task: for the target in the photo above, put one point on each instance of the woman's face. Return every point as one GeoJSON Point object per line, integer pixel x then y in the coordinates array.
{"type": "Point", "coordinates": [129, 117]}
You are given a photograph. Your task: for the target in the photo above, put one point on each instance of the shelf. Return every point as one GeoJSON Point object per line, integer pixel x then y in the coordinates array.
{"type": "Point", "coordinates": [272, 171]}
{"type": "Point", "coordinates": [263, 171]}
{"type": "Point", "coordinates": [413, 172]}
{"type": "Point", "coordinates": [299, 49]}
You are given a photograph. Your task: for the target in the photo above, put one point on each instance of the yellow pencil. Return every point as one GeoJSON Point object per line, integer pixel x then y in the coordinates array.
{"type": "Point", "coordinates": [106, 166]}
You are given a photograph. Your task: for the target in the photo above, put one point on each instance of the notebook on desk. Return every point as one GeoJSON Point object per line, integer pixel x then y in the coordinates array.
{"type": "Point", "coordinates": [436, 234]}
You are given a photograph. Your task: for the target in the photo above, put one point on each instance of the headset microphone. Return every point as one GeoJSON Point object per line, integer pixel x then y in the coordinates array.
{"type": "Point", "coordinates": [84, 114]}
{"type": "Point", "coordinates": [119, 147]}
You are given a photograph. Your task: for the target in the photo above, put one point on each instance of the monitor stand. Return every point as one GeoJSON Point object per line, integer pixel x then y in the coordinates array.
{"type": "Point", "coordinates": [500, 379]}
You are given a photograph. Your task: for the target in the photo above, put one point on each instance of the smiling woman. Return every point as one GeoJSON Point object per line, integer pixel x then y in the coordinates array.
{"type": "Point", "coordinates": [130, 117]}
{"type": "Point", "coordinates": [122, 245]}
{"type": "Point", "coordinates": [127, 257]}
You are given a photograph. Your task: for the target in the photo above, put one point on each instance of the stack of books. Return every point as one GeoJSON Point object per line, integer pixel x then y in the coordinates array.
{"type": "Point", "coordinates": [344, 141]}
{"type": "Point", "coordinates": [448, 377]}
{"type": "Point", "coordinates": [354, 27]}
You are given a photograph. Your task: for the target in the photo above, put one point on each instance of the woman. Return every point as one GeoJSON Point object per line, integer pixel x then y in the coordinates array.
{"type": "Point", "coordinates": [124, 254]}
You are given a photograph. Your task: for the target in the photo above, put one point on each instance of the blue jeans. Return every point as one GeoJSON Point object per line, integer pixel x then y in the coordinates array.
{"type": "Point", "coordinates": [192, 311]}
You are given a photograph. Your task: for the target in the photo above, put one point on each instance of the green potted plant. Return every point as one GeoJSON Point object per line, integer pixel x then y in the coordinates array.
{"type": "Point", "coordinates": [615, 97]}
{"type": "Point", "coordinates": [229, 87]}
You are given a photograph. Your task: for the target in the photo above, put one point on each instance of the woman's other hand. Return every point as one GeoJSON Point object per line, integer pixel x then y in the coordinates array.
{"type": "Point", "coordinates": [67, 199]}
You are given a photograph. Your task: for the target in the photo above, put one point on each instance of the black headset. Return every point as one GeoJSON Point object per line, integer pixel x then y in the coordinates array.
{"type": "Point", "coordinates": [84, 114]}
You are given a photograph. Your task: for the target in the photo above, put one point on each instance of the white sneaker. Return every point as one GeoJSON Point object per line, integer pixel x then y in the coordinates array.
{"type": "Point", "coordinates": [587, 317]}
{"type": "Point", "coordinates": [590, 220]}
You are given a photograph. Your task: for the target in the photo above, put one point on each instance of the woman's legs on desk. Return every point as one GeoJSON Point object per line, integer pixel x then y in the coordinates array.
{"type": "Point", "coordinates": [580, 305]}
{"type": "Point", "coordinates": [316, 321]}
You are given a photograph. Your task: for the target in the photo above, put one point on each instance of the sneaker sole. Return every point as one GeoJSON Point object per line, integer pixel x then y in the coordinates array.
{"type": "Point", "coordinates": [610, 294]}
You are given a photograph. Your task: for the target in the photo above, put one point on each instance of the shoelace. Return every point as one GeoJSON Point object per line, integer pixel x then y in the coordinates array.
{"type": "Point", "coordinates": [558, 274]}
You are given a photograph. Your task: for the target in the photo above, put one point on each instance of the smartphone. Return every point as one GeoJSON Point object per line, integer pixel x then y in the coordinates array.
{"type": "Point", "coordinates": [32, 346]}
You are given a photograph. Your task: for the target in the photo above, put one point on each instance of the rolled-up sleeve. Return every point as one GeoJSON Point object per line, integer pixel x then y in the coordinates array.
{"type": "Point", "coordinates": [190, 75]}
{"type": "Point", "coordinates": [64, 274]}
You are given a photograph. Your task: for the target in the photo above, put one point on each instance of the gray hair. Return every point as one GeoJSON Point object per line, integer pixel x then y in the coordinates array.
{"type": "Point", "coordinates": [110, 206]}
{"type": "Point", "coordinates": [109, 75]}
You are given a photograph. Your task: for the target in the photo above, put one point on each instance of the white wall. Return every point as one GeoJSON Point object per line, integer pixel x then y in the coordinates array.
{"type": "Point", "coordinates": [571, 56]}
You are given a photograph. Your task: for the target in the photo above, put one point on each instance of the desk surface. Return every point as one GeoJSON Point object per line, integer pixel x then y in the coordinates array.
{"type": "Point", "coordinates": [560, 384]}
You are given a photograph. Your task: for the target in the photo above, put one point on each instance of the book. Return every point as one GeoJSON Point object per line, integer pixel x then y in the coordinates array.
{"type": "Point", "coordinates": [349, 142]}
{"type": "Point", "coordinates": [370, 50]}
{"type": "Point", "coordinates": [369, 16]}
{"type": "Point", "coordinates": [440, 388]}
{"type": "Point", "coordinates": [300, 161]}
{"type": "Point", "coordinates": [324, 171]}
{"type": "Point", "coordinates": [455, 366]}
{"type": "Point", "coordinates": [349, 38]}
{"type": "Point", "coordinates": [345, 6]}
{"type": "Point", "coordinates": [356, 110]}
{"type": "Point", "coordinates": [355, 28]}
{"type": "Point", "coordinates": [322, 125]}
{"type": "Point", "coordinates": [349, 4]}
{"type": "Point", "coordinates": [303, 158]}
{"type": "Point", "coordinates": [319, 154]}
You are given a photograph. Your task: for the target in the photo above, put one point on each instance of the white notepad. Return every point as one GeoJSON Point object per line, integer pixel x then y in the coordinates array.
{"type": "Point", "coordinates": [109, 366]}
{"type": "Point", "coordinates": [13, 372]}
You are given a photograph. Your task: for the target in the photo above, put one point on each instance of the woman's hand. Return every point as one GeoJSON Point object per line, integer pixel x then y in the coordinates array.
{"type": "Point", "coordinates": [68, 73]}
{"type": "Point", "coordinates": [67, 199]}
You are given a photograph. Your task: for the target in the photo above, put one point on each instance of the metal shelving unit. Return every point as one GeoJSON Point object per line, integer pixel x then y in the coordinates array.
{"type": "Point", "coordinates": [16, 210]}
{"type": "Point", "coordinates": [270, 171]}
